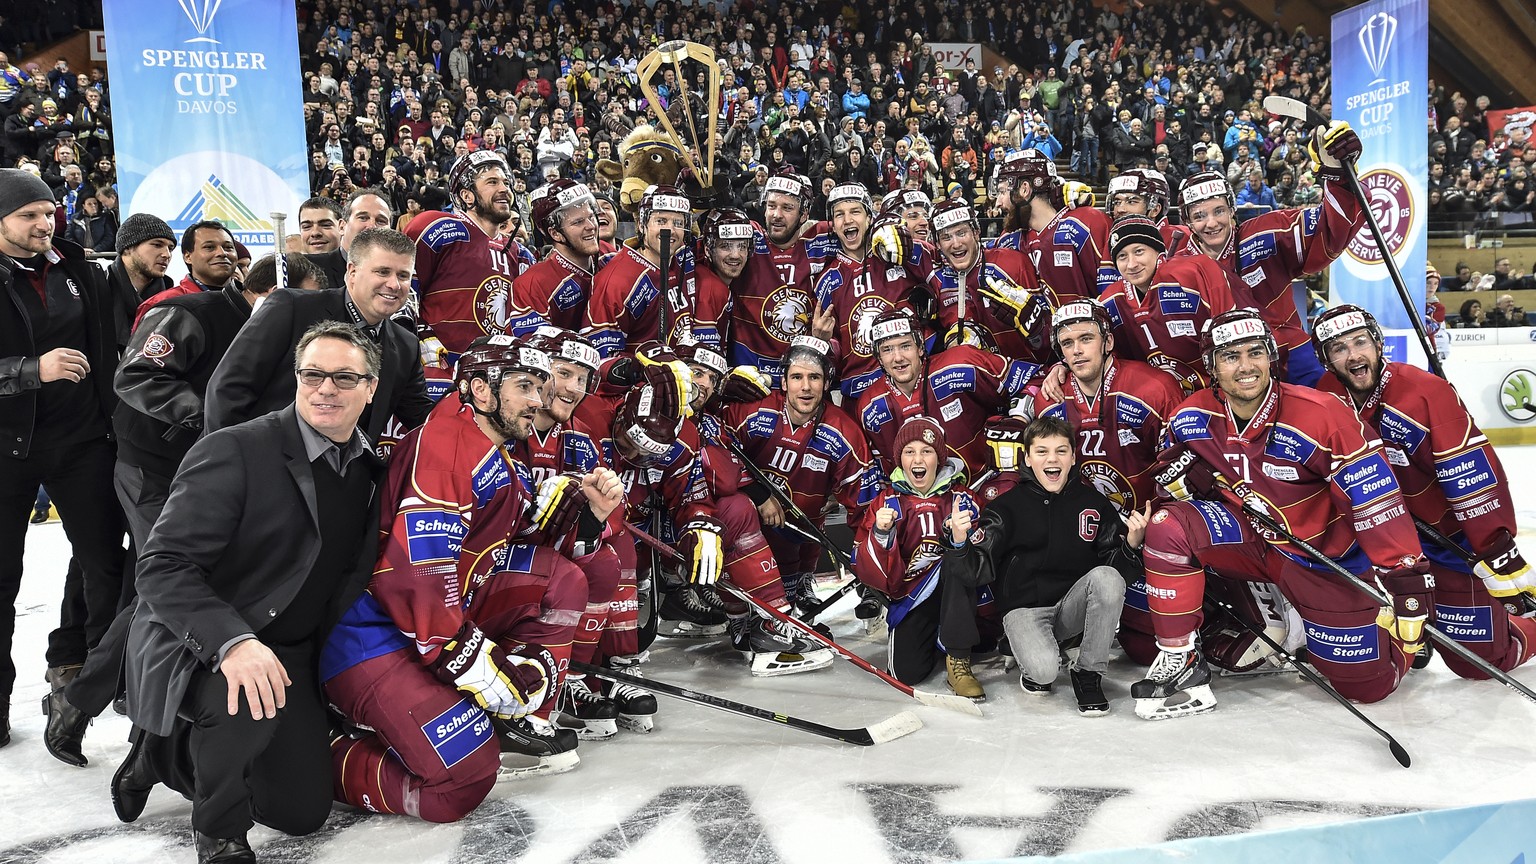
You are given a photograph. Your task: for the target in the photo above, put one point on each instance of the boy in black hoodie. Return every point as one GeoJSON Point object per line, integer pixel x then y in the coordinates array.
{"type": "Point", "coordinates": [1052, 548]}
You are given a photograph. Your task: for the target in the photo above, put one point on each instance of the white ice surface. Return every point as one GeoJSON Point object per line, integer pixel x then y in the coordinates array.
{"type": "Point", "coordinates": [1032, 777]}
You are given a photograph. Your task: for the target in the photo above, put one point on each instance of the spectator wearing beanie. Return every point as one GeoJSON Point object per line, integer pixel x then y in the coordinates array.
{"type": "Point", "coordinates": [58, 348]}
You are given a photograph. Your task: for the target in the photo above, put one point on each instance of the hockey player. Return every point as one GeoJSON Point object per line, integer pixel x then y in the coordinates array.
{"type": "Point", "coordinates": [913, 208]}
{"type": "Point", "coordinates": [1054, 551]}
{"type": "Point", "coordinates": [958, 387]}
{"type": "Point", "coordinates": [718, 528]}
{"type": "Point", "coordinates": [466, 623]}
{"type": "Point", "coordinates": [726, 243]}
{"type": "Point", "coordinates": [1145, 192]}
{"type": "Point", "coordinates": [1160, 305]}
{"type": "Point", "coordinates": [898, 550]}
{"type": "Point", "coordinates": [1305, 459]}
{"type": "Point", "coordinates": [559, 445]}
{"type": "Point", "coordinates": [772, 300]}
{"type": "Point", "coordinates": [464, 269]}
{"type": "Point", "coordinates": [627, 306]}
{"type": "Point", "coordinates": [559, 287]}
{"type": "Point", "coordinates": [1003, 304]}
{"type": "Point", "coordinates": [1067, 245]}
{"type": "Point", "coordinates": [812, 450]}
{"type": "Point", "coordinates": [1269, 251]}
{"type": "Point", "coordinates": [858, 288]}
{"type": "Point", "coordinates": [1451, 480]}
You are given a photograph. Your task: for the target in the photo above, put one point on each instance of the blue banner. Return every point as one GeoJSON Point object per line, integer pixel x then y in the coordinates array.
{"type": "Point", "coordinates": [209, 119]}
{"type": "Point", "coordinates": [1380, 64]}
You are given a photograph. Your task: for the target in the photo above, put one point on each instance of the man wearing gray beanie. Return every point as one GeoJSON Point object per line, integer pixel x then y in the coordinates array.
{"type": "Point", "coordinates": [144, 248]}
{"type": "Point", "coordinates": [58, 350]}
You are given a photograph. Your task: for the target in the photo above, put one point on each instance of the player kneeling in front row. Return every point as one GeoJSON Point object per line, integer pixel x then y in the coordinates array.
{"type": "Point", "coordinates": [899, 550]}
{"type": "Point", "coordinates": [1053, 550]}
{"type": "Point", "coordinates": [1452, 480]}
{"type": "Point", "coordinates": [1303, 458]}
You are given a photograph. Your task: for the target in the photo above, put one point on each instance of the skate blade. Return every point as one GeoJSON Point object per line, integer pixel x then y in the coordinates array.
{"type": "Point", "coordinates": [1195, 700]}
{"type": "Point", "coordinates": [641, 723]}
{"type": "Point", "coordinates": [520, 766]}
{"type": "Point", "coordinates": [597, 730]}
{"type": "Point", "coordinates": [773, 665]}
{"type": "Point", "coordinates": [689, 630]}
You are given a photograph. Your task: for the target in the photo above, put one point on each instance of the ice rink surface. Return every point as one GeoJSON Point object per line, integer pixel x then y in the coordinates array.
{"type": "Point", "coordinates": [1029, 778]}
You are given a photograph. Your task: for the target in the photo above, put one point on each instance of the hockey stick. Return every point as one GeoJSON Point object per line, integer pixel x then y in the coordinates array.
{"type": "Point", "coordinates": [648, 629]}
{"type": "Point", "coordinates": [1295, 109]}
{"type": "Point", "coordinates": [839, 556]}
{"type": "Point", "coordinates": [939, 700]}
{"type": "Point", "coordinates": [1434, 632]}
{"type": "Point", "coordinates": [888, 729]}
{"type": "Point", "coordinates": [1439, 539]}
{"type": "Point", "coordinates": [1398, 753]}
{"type": "Point", "coordinates": [279, 247]}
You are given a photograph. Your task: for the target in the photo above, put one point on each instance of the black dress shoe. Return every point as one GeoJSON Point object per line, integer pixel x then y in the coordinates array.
{"type": "Point", "coordinates": [120, 704]}
{"type": "Point", "coordinates": [65, 730]}
{"type": "Point", "coordinates": [134, 780]}
{"type": "Point", "coordinates": [211, 850]}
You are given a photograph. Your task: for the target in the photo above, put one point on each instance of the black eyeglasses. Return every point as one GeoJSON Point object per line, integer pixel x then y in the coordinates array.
{"type": "Point", "coordinates": [344, 380]}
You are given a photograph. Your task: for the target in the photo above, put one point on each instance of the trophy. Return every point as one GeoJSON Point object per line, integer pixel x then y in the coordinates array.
{"type": "Point", "coordinates": [694, 127]}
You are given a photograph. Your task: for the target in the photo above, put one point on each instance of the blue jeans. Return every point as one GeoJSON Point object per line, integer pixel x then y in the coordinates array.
{"type": "Point", "coordinates": [1085, 162]}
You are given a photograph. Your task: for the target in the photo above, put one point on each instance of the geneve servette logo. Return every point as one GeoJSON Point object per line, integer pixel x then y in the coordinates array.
{"type": "Point", "coordinates": [1375, 41]}
{"type": "Point", "coordinates": [200, 13]}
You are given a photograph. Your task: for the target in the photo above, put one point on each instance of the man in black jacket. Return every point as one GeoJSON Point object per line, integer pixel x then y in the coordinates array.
{"type": "Point", "coordinates": [1052, 548]}
{"type": "Point", "coordinates": [161, 381]}
{"type": "Point", "coordinates": [58, 346]}
{"type": "Point", "coordinates": [269, 532]}
{"type": "Point", "coordinates": [144, 247]}
{"type": "Point", "coordinates": [256, 374]}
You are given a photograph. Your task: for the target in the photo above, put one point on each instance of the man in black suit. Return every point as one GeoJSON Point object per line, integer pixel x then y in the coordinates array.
{"type": "Point", "coordinates": [269, 531]}
{"type": "Point", "coordinates": [328, 249]}
{"type": "Point", "coordinates": [256, 375]}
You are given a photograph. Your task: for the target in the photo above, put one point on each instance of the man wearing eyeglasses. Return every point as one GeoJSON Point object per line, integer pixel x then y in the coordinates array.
{"type": "Point", "coordinates": [268, 534]}
{"type": "Point", "coordinates": [255, 376]}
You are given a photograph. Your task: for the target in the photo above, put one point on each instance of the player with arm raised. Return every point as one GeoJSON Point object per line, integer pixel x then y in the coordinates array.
{"type": "Point", "coordinates": [1117, 409]}
{"type": "Point", "coordinates": [1271, 250]}
{"type": "Point", "coordinates": [857, 289]}
{"type": "Point", "coordinates": [559, 288]}
{"type": "Point", "coordinates": [464, 269]}
{"type": "Point", "coordinates": [1303, 458]}
{"type": "Point", "coordinates": [1452, 480]}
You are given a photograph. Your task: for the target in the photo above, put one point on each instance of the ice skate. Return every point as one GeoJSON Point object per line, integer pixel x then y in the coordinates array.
{"type": "Point", "coordinates": [637, 706]}
{"type": "Point", "coordinates": [598, 714]}
{"type": "Point", "coordinates": [1177, 684]}
{"type": "Point", "coordinates": [686, 615]}
{"type": "Point", "coordinates": [774, 649]}
{"type": "Point", "coordinates": [532, 746]}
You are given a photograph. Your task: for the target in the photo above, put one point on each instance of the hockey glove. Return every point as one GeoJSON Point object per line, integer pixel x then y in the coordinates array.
{"type": "Point", "coordinates": [1412, 591]}
{"type": "Point", "coordinates": [505, 686]}
{"type": "Point", "coordinates": [891, 241]}
{"type": "Point", "coordinates": [703, 549]}
{"type": "Point", "coordinates": [558, 504]}
{"type": "Point", "coordinates": [620, 372]}
{"type": "Point", "coordinates": [1187, 476]}
{"type": "Point", "coordinates": [1026, 310]}
{"type": "Point", "coordinates": [1503, 569]}
{"type": "Point", "coordinates": [1331, 147]}
{"type": "Point", "coordinates": [1078, 194]}
{"type": "Point", "coordinates": [432, 352]}
{"type": "Point", "coordinates": [745, 384]}
{"type": "Point", "coordinates": [670, 377]}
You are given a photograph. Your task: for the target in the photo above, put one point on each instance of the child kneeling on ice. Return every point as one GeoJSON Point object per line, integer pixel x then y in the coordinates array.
{"type": "Point", "coordinates": [1052, 549]}
{"type": "Point", "coordinates": [898, 550]}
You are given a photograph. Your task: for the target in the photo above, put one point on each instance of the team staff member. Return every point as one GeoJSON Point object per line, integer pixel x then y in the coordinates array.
{"type": "Point", "coordinates": [251, 379]}
{"type": "Point", "coordinates": [210, 253]}
{"type": "Point", "coordinates": [367, 208]}
{"type": "Point", "coordinates": [58, 346]}
{"type": "Point", "coordinates": [269, 532]}
{"type": "Point", "coordinates": [1053, 549]}
{"type": "Point", "coordinates": [144, 246]}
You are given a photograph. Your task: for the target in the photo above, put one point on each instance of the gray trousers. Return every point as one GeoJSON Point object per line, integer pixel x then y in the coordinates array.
{"type": "Point", "coordinates": [1091, 607]}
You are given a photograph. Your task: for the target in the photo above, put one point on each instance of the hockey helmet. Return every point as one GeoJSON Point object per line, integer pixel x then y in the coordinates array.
{"type": "Point", "coordinates": [561, 344]}
{"type": "Point", "coordinates": [898, 201]}
{"type": "Point", "coordinates": [663, 198]}
{"type": "Point", "coordinates": [850, 192]}
{"type": "Point", "coordinates": [1033, 173]}
{"type": "Point", "coordinates": [1203, 186]}
{"type": "Point", "coordinates": [812, 350]}
{"type": "Point", "coordinates": [553, 199]}
{"type": "Point", "coordinates": [1082, 310]}
{"type": "Point", "coordinates": [788, 182]}
{"type": "Point", "coordinates": [726, 223]}
{"type": "Point", "coordinates": [950, 213]}
{"type": "Point", "coordinates": [643, 431]}
{"type": "Point", "coordinates": [493, 357]}
{"type": "Point", "coordinates": [697, 353]}
{"type": "Point", "coordinates": [1339, 320]}
{"type": "Point", "coordinates": [1234, 327]}
{"type": "Point", "coordinates": [467, 168]}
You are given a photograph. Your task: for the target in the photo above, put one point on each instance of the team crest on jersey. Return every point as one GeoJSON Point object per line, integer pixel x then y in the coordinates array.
{"type": "Point", "coordinates": [157, 348]}
{"type": "Point", "coordinates": [787, 313]}
{"type": "Point", "coordinates": [862, 322]}
{"type": "Point", "coordinates": [493, 304]}
{"type": "Point", "coordinates": [1108, 481]}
